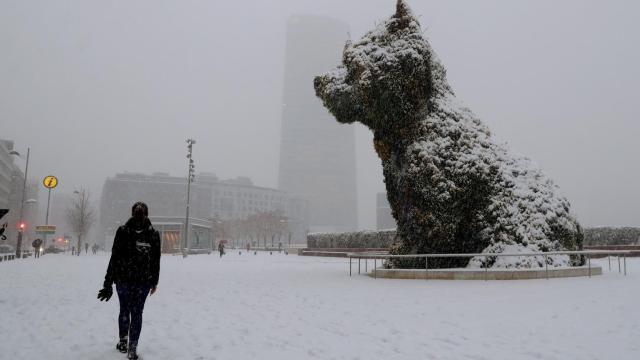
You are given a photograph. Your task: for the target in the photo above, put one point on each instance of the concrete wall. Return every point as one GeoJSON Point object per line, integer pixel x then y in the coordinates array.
{"type": "Point", "coordinates": [480, 274]}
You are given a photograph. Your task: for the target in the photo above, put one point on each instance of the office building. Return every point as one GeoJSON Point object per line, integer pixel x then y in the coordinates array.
{"type": "Point", "coordinates": [317, 154]}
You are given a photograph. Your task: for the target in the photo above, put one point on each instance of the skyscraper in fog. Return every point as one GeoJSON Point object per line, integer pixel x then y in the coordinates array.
{"type": "Point", "coordinates": [317, 154]}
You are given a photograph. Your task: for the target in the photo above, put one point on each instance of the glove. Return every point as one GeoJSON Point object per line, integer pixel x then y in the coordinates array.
{"type": "Point", "coordinates": [105, 293]}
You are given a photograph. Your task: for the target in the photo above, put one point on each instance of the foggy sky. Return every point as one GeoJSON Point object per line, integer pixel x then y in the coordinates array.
{"type": "Point", "coordinates": [100, 87]}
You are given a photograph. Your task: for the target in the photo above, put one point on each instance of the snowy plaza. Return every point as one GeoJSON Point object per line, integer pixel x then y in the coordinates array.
{"type": "Point", "coordinates": [292, 307]}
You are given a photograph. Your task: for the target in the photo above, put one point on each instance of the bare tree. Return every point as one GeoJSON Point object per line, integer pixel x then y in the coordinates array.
{"type": "Point", "coordinates": [264, 225]}
{"type": "Point", "coordinates": [81, 216]}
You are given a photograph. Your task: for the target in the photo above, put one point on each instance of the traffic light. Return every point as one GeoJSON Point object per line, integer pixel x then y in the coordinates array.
{"type": "Point", "coordinates": [22, 226]}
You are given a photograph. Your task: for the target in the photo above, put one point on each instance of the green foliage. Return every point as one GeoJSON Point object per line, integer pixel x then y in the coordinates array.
{"type": "Point", "coordinates": [612, 236]}
{"type": "Point", "coordinates": [356, 239]}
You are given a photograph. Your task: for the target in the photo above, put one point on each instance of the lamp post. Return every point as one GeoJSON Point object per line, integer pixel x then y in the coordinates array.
{"type": "Point", "coordinates": [24, 188]}
{"type": "Point", "coordinates": [190, 177]}
{"type": "Point", "coordinates": [84, 216]}
{"type": "Point", "coordinates": [29, 213]}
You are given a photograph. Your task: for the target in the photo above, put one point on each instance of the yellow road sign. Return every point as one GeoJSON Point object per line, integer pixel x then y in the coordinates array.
{"type": "Point", "coordinates": [50, 182]}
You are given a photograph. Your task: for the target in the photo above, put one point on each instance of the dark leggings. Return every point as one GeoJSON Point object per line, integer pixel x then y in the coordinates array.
{"type": "Point", "coordinates": [132, 298]}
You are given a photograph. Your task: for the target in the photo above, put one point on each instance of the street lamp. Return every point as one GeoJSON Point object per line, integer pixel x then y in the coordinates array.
{"type": "Point", "coordinates": [190, 177]}
{"type": "Point", "coordinates": [30, 205]}
{"type": "Point", "coordinates": [24, 188]}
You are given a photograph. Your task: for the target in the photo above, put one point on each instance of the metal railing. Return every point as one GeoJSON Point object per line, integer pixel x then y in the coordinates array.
{"type": "Point", "coordinates": [7, 257]}
{"type": "Point", "coordinates": [587, 253]}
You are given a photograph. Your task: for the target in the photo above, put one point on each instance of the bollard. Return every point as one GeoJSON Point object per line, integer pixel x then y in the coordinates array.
{"type": "Point", "coordinates": [609, 258]}
{"type": "Point", "coordinates": [619, 271]}
{"type": "Point", "coordinates": [359, 266]}
{"type": "Point", "coordinates": [625, 264]}
{"type": "Point", "coordinates": [349, 265]}
{"type": "Point", "coordinates": [589, 263]}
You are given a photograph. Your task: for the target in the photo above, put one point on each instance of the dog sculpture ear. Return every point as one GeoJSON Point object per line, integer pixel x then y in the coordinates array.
{"type": "Point", "coordinates": [345, 53]}
{"type": "Point", "coordinates": [403, 17]}
{"type": "Point", "coordinates": [402, 9]}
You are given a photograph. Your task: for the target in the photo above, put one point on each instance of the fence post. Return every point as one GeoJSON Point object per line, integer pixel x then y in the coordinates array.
{"type": "Point", "coordinates": [486, 268]}
{"type": "Point", "coordinates": [349, 265]}
{"type": "Point", "coordinates": [359, 266]}
{"type": "Point", "coordinates": [609, 258]}
{"type": "Point", "coordinates": [589, 263]}
{"type": "Point", "coordinates": [546, 266]}
{"type": "Point", "coordinates": [625, 264]}
{"type": "Point", "coordinates": [426, 268]}
{"type": "Point", "coordinates": [375, 265]}
{"type": "Point", "coordinates": [619, 271]}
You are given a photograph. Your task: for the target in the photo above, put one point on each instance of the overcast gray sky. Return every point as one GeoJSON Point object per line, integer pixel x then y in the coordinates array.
{"type": "Point", "coordinates": [99, 87]}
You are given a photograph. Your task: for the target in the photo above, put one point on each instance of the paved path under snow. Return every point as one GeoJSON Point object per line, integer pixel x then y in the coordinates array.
{"type": "Point", "coordinates": [290, 307]}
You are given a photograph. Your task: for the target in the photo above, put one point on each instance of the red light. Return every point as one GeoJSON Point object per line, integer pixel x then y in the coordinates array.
{"type": "Point", "coordinates": [22, 226]}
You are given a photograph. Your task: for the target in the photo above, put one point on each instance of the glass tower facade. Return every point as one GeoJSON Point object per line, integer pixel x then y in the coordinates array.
{"type": "Point", "coordinates": [317, 154]}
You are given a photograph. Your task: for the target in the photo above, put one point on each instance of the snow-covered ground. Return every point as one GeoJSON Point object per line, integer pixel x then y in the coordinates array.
{"type": "Point", "coordinates": [289, 307]}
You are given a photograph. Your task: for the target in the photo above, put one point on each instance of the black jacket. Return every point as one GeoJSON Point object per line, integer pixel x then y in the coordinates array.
{"type": "Point", "coordinates": [135, 256]}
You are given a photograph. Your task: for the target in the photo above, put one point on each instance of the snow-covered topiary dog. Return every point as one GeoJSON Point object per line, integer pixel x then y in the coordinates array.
{"type": "Point", "coordinates": [451, 188]}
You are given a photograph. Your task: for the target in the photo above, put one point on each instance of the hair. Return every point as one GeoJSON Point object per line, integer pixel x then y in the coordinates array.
{"type": "Point", "coordinates": [144, 206]}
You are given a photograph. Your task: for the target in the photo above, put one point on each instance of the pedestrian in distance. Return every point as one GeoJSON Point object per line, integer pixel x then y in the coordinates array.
{"type": "Point", "coordinates": [37, 243]}
{"type": "Point", "coordinates": [73, 250]}
{"type": "Point", "coordinates": [86, 248]}
{"type": "Point", "coordinates": [135, 268]}
{"type": "Point", "coordinates": [221, 247]}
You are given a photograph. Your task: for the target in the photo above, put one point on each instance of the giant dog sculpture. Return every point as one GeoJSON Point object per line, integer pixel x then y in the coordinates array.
{"type": "Point", "coordinates": [452, 189]}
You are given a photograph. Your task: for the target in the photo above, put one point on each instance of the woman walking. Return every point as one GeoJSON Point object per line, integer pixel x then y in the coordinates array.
{"type": "Point", "coordinates": [135, 268]}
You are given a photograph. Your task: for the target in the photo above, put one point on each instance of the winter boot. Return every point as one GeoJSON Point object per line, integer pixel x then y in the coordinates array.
{"type": "Point", "coordinates": [132, 354]}
{"type": "Point", "coordinates": [122, 345]}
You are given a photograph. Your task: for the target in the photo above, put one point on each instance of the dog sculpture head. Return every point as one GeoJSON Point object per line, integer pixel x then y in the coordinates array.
{"type": "Point", "coordinates": [385, 78]}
